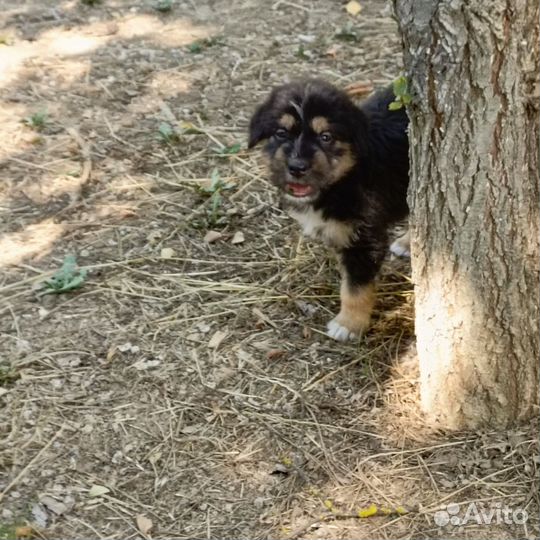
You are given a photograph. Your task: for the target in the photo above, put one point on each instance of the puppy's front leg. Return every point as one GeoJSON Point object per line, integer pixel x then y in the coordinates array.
{"type": "Point", "coordinates": [359, 266]}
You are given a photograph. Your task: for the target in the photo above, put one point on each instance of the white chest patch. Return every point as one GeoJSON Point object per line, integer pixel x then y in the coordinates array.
{"type": "Point", "coordinates": [331, 232]}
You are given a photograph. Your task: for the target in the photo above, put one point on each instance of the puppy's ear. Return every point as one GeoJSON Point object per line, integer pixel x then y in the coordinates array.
{"type": "Point", "coordinates": [261, 124]}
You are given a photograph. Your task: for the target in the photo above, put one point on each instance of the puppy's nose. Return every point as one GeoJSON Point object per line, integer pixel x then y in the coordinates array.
{"type": "Point", "coordinates": [297, 167]}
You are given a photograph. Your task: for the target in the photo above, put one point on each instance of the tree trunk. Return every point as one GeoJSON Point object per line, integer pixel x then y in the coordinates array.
{"type": "Point", "coordinates": [474, 199]}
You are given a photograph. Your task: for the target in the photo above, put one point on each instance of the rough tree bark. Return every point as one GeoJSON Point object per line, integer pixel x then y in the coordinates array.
{"type": "Point", "coordinates": [474, 199]}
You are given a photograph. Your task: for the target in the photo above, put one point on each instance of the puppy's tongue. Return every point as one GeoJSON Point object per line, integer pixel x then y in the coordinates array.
{"type": "Point", "coordinates": [299, 190]}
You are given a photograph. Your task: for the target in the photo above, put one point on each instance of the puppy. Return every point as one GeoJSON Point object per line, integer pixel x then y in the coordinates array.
{"type": "Point", "coordinates": [342, 172]}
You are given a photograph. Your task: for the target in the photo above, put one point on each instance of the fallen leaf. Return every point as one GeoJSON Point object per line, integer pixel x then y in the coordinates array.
{"type": "Point", "coordinates": [97, 491]}
{"type": "Point", "coordinates": [143, 364]}
{"type": "Point", "coordinates": [144, 524]}
{"type": "Point", "coordinates": [25, 532]}
{"type": "Point", "coordinates": [275, 353]}
{"type": "Point", "coordinates": [53, 505]}
{"type": "Point", "coordinates": [167, 253]}
{"type": "Point", "coordinates": [216, 339]}
{"type": "Point", "coordinates": [359, 88]}
{"type": "Point", "coordinates": [110, 353]}
{"type": "Point", "coordinates": [353, 8]}
{"type": "Point", "coordinates": [262, 317]}
{"type": "Point", "coordinates": [238, 237]}
{"type": "Point", "coordinates": [191, 429]}
{"type": "Point", "coordinates": [332, 51]}
{"type": "Point", "coordinates": [154, 457]}
{"type": "Point", "coordinates": [212, 236]}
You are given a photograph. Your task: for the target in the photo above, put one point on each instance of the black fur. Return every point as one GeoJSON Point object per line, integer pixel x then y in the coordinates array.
{"type": "Point", "coordinates": [371, 194]}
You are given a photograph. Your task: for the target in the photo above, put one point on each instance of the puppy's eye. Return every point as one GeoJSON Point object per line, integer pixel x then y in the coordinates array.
{"type": "Point", "coordinates": [281, 133]}
{"type": "Point", "coordinates": [325, 137]}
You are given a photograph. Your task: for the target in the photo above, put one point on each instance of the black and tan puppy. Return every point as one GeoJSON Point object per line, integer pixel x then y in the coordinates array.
{"type": "Point", "coordinates": [342, 172]}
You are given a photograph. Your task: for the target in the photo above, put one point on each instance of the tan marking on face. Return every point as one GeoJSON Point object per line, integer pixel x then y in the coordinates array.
{"type": "Point", "coordinates": [279, 156]}
{"type": "Point", "coordinates": [287, 121]}
{"type": "Point", "coordinates": [319, 124]}
{"type": "Point", "coordinates": [276, 164]}
{"type": "Point", "coordinates": [265, 159]}
{"type": "Point", "coordinates": [356, 306]}
{"type": "Point", "coordinates": [341, 165]}
{"type": "Point", "coordinates": [320, 163]}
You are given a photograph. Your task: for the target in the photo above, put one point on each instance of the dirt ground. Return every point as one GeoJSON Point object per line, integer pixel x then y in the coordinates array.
{"type": "Point", "coordinates": [187, 389]}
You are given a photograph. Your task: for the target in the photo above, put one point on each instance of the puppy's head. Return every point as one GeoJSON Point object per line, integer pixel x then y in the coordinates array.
{"type": "Point", "coordinates": [315, 135]}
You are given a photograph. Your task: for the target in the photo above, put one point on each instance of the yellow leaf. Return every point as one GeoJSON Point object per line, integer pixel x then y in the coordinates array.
{"type": "Point", "coordinates": [353, 8]}
{"type": "Point", "coordinates": [401, 510]}
{"type": "Point", "coordinates": [367, 512]}
{"type": "Point", "coordinates": [25, 532]}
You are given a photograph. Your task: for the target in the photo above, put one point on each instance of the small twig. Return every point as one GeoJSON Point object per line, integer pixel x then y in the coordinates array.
{"type": "Point", "coordinates": [86, 168]}
{"type": "Point", "coordinates": [23, 473]}
{"type": "Point", "coordinates": [290, 4]}
{"type": "Point", "coordinates": [319, 380]}
{"type": "Point", "coordinates": [376, 512]}
{"type": "Point", "coordinates": [115, 136]}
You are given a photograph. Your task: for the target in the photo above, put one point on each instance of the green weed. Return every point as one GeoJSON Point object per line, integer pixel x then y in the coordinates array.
{"type": "Point", "coordinates": [229, 150]}
{"type": "Point", "coordinates": [199, 45]}
{"type": "Point", "coordinates": [68, 278]}
{"type": "Point", "coordinates": [163, 6]}
{"type": "Point", "coordinates": [36, 121]}
{"type": "Point", "coordinates": [215, 193]}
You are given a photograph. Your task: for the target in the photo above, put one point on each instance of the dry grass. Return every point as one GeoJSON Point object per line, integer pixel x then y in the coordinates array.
{"type": "Point", "coordinates": [199, 389]}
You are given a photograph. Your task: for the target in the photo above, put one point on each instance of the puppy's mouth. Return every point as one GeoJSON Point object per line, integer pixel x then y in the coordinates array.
{"type": "Point", "coordinates": [299, 190]}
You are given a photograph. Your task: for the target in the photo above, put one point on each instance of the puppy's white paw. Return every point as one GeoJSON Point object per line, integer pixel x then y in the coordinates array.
{"type": "Point", "coordinates": [339, 332]}
{"type": "Point", "coordinates": [400, 250]}
{"type": "Point", "coordinates": [401, 246]}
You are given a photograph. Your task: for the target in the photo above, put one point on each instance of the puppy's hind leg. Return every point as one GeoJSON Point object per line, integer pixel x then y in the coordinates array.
{"type": "Point", "coordinates": [402, 246]}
